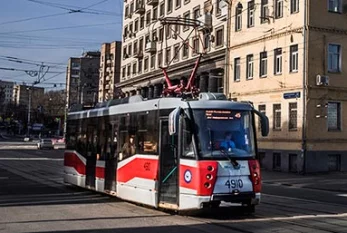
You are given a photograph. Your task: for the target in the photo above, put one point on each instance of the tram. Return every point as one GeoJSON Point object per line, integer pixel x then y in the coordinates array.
{"type": "Point", "coordinates": [167, 153]}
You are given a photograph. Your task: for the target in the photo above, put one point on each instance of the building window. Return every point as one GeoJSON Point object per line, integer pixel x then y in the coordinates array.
{"type": "Point", "coordinates": [186, 17]}
{"type": "Point", "coordinates": [294, 6]}
{"type": "Point", "coordinates": [178, 3]}
{"type": "Point", "coordinates": [207, 42]}
{"type": "Point", "coordinates": [136, 25]}
{"type": "Point", "coordinates": [195, 46]}
{"type": "Point", "coordinates": [123, 72]}
{"type": "Point", "coordinates": [130, 49]}
{"type": "Point", "coordinates": [277, 117]}
{"type": "Point", "coordinates": [126, 13]}
{"type": "Point", "coordinates": [293, 116]}
{"type": "Point", "coordinates": [142, 22]}
{"type": "Point", "coordinates": [148, 18]}
{"type": "Point", "coordinates": [250, 18]}
{"type": "Point", "coordinates": [196, 12]}
{"type": "Point", "coordinates": [140, 66]}
{"type": "Point", "coordinates": [279, 9]}
{"type": "Point", "coordinates": [161, 34]}
{"type": "Point", "coordinates": [168, 30]}
{"type": "Point", "coordinates": [334, 116]}
{"type": "Point", "coordinates": [146, 63]}
{"type": "Point", "coordinates": [185, 50]}
{"type": "Point", "coordinates": [162, 9]}
{"type": "Point", "coordinates": [135, 47]}
{"type": "Point", "coordinates": [334, 58]}
{"type": "Point", "coordinates": [153, 61]}
{"type": "Point", "coordinates": [169, 6]}
{"type": "Point", "coordinates": [334, 6]}
{"type": "Point", "coordinates": [278, 61]}
{"type": "Point", "coordinates": [168, 56]}
{"type": "Point", "coordinates": [186, 2]}
{"type": "Point", "coordinates": [125, 55]}
{"type": "Point", "coordinates": [176, 52]}
{"type": "Point", "coordinates": [294, 57]}
{"type": "Point", "coordinates": [250, 66]}
{"type": "Point", "coordinates": [237, 69]}
{"type": "Point", "coordinates": [128, 70]}
{"type": "Point", "coordinates": [263, 65]}
{"type": "Point", "coordinates": [219, 37]}
{"type": "Point", "coordinates": [264, 14]}
{"type": "Point", "coordinates": [141, 45]}
{"type": "Point", "coordinates": [160, 58]}
{"type": "Point", "coordinates": [262, 109]}
{"type": "Point", "coordinates": [238, 19]}
{"type": "Point", "coordinates": [155, 13]}
{"type": "Point", "coordinates": [134, 68]}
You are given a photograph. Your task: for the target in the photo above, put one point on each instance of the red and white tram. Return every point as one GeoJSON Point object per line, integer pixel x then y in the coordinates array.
{"type": "Point", "coordinates": [167, 152]}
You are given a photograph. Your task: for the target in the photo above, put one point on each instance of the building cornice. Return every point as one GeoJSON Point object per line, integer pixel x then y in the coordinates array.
{"type": "Point", "coordinates": [257, 92]}
{"type": "Point", "coordinates": [328, 30]}
{"type": "Point", "coordinates": [266, 38]}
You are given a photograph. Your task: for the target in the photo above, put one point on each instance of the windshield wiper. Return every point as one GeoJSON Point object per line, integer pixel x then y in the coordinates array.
{"type": "Point", "coordinates": [232, 160]}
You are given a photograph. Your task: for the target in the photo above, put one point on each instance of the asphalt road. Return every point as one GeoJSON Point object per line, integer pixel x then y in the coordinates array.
{"type": "Point", "coordinates": [33, 198]}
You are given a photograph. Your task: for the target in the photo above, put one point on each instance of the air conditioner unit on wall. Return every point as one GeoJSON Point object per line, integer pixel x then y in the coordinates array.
{"type": "Point", "coordinates": [322, 80]}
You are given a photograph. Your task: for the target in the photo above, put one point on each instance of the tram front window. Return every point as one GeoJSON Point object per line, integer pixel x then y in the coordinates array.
{"type": "Point", "coordinates": [224, 133]}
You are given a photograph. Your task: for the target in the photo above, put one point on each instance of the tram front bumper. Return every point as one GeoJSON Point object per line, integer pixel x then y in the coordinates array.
{"type": "Point", "coordinates": [253, 198]}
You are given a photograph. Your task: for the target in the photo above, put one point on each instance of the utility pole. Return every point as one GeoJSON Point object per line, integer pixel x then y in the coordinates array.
{"type": "Point", "coordinates": [40, 74]}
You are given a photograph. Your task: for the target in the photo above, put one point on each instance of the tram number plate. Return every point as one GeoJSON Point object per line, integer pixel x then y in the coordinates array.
{"type": "Point", "coordinates": [232, 184]}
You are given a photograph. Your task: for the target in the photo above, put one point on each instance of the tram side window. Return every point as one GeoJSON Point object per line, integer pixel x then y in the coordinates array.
{"type": "Point", "coordinates": [188, 150]}
{"type": "Point", "coordinates": [81, 137]}
{"type": "Point", "coordinates": [126, 138]}
{"type": "Point", "coordinates": [71, 134]}
{"type": "Point", "coordinates": [148, 133]}
{"type": "Point", "coordinates": [101, 142]}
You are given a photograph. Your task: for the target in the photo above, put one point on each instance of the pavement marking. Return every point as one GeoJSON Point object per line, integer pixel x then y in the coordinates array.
{"type": "Point", "coordinates": [28, 159]}
{"type": "Point", "coordinates": [342, 195]}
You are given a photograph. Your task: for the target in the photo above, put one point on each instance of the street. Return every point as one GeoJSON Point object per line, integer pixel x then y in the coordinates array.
{"type": "Point", "coordinates": [35, 199]}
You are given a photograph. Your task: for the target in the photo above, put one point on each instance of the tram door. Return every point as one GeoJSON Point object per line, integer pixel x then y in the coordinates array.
{"type": "Point", "coordinates": [111, 158]}
{"type": "Point", "coordinates": [168, 186]}
{"type": "Point", "coordinates": [91, 154]}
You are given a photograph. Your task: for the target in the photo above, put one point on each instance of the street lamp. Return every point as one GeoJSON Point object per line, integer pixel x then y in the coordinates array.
{"type": "Point", "coordinates": [29, 110]}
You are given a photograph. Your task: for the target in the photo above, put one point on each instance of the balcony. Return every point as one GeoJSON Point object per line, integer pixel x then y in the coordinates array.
{"type": "Point", "coordinates": [152, 2]}
{"type": "Point", "coordinates": [151, 47]}
{"type": "Point", "coordinates": [107, 87]}
{"type": "Point", "coordinates": [108, 78]}
{"type": "Point", "coordinates": [109, 61]}
{"type": "Point", "coordinates": [139, 9]}
{"type": "Point", "coordinates": [138, 54]}
{"type": "Point", "coordinates": [108, 69]}
{"type": "Point", "coordinates": [224, 13]}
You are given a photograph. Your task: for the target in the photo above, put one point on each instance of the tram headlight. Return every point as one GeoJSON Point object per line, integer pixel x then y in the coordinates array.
{"type": "Point", "coordinates": [207, 185]}
{"type": "Point", "coordinates": [209, 176]}
{"type": "Point", "coordinates": [209, 168]}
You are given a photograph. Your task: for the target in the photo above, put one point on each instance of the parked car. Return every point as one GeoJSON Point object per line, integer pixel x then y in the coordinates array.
{"type": "Point", "coordinates": [45, 144]}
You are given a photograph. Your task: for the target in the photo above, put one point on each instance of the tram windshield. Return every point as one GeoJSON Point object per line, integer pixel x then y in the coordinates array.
{"type": "Point", "coordinates": [224, 133]}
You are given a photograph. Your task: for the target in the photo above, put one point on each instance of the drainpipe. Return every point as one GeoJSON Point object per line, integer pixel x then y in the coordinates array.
{"type": "Point", "coordinates": [227, 51]}
{"type": "Point", "coordinates": [304, 90]}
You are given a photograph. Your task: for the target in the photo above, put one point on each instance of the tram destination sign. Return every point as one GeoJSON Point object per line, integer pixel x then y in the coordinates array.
{"type": "Point", "coordinates": [221, 115]}
{"type": "Point", "coordinates": [291, 95]}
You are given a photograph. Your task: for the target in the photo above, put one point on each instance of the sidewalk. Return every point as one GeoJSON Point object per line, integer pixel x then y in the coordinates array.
{"type": "Point", "coordinates": [335, 181]}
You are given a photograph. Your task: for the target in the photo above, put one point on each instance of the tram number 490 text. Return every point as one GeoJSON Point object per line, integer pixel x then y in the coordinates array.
{"type": "Point", "coordinates": [234, 183]}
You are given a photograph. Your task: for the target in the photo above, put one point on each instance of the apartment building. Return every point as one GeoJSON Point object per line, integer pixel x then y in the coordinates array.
{"type": "Point", "coordinates": [151, 42]}
{"type": "Point", "coordinates": [6, 92]}
{"type": "Point", "coordinates": [110, 62]}
{"type": "Point", "coordinates": [287, 58]}
{"type": "Point", "coordinates": [82, 79]}
{"type": "Point", "coordinates": [20, 94]}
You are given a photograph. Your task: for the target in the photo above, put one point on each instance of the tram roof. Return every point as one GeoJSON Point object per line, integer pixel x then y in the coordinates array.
{"type": "Point", "coordinates": [140, 105]}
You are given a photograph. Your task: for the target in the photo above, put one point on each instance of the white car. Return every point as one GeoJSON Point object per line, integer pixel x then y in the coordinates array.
{"type": "Point", "coordinates": [45, 144]}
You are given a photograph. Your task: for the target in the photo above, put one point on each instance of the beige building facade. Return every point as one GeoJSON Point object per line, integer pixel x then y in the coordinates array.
{"type": "Point", "coordinates": [172, 34]}
{"type": "Point", "coordinates": [109, 70]}
{"type": "Point", "coordinates": [287, 58]}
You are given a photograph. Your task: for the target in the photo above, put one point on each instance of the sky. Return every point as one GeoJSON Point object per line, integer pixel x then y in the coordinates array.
{"type": "Point", "coordinates": [52, 31]}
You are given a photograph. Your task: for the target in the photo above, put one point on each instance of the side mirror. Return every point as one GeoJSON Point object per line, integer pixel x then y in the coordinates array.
{"type": "Point", "coordinates": [264, 121]}
{"type": "Point", "coordinates": [174, 117]}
